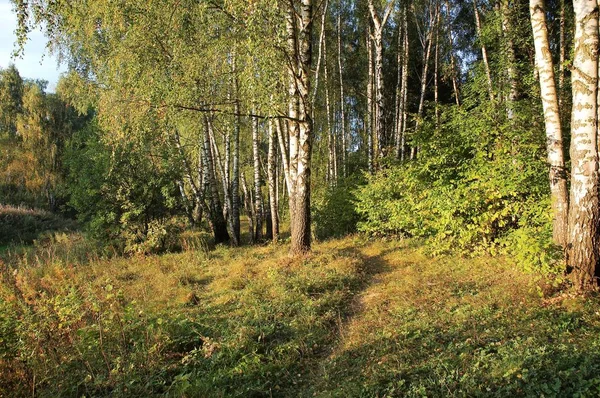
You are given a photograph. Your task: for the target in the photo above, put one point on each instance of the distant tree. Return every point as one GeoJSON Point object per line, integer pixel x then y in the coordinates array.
{"type": "Point", "coordinates": [11, 99]}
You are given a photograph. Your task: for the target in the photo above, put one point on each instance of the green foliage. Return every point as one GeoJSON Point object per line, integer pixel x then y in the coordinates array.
{"type": "Point", "coordinates": [531, 246]}
{"type": "Point", "coordinates": [478, 185]}
{"type": "Point", "coordinates": [11, 99]}
{"type": "Point", "coordinates": [125, 192]}
{"type": "Point", "coordinates": [334, 213]}
{"type": "Point", "coordinates": [38, 125]}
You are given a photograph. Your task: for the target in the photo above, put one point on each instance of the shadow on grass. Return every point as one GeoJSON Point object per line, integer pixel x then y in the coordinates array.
{"type": "Point", "coordinates": [20, 225]}
{"type": "Point", "coordinates": [518, 348]}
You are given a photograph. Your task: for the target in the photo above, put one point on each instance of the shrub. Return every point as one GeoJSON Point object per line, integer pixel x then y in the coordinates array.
{"type": "Point", "coordinates": [479, 185]}
{"type": "Point", "coordinates": [334, 210]}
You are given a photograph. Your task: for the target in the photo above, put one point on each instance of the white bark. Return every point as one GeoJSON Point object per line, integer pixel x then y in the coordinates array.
{"type": "Point", "coordinates": [583, 213]}
{"type": "Point", "coordinates": [484, 55]}
{"type": "Point", "coordinates": [377, 37]}
{"type": "Point", "coordinates": [342, 98]}
{"type": "Point", "coordinates": [554, 140]}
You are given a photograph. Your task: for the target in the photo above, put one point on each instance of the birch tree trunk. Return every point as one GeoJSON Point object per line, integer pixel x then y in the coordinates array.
{"type": "Point", "coordinates": [215, 210]}
{"type": "Point", "coordinates": [582, 244]}
{"type": "Point", "coordinates": [398, 91]}
{"type": "Point", "coordinates": [561, 55]}
{"type": "Point", "coordinates": [272, 180]}
{"type": "Point", "coordinates": [331, 160]}
{"type": "Point", "coordinates": [484, 55]}
{"type": "Point", "coordinates": [235, 169]}
{"type": "Point", "coordinates": [436, 59]}
{"type": "Point", "coordinates": [377, 37]}
{"type": "Point", "coordinates": [507, 31]}
{"type": "Point", "coordinates": [197, 194]}
{"type": "Point", "coordinates": [426, 41]}
{"type": "Point", "coordinates": [369, 116]}
{"type": "Point", "coordinates": [404, 87]}
{"type": "Point", "coordinates": [216, 156]}
{"type": "Point", "coordinates": [300, 125]}
{"type": "Point", "coordinates": [554, 140]}
{"type": "Point", "coordinates": [248, 206]}
{"type": "Point", "coordinates": [319, 57]}
{"type": "Point", "coordinates": [300, 221]}
{"type": "Point", "coordinates": [452, 58]}
{"type": "Point", "coordinates": [342, 99]}
{"type": "Point", "coordinates": [258, 209]}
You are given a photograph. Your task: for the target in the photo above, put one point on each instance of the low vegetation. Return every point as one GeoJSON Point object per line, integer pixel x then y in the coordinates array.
{"type": "Point", "coordinates": [22, 225]}
{"type": "Point", "coordinates": [354, 318]}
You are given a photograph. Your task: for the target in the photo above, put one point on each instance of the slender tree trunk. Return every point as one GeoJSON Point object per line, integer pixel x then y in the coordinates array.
{"type": "Point", "coordinates": [377, 37]}
{"type": "Point", "coordinates": [272, 180]}
{"type": "Point", "coordinates": [227, 162]}
{"type": "Point", "coordinates": [293, 126]}
{"type": "Point", "coordinates": [285, 157]}
{"type": "Point", "coordinates": [507, 31]}
{"type": "Point", "coordinates": [452, 58]}
{"type": "Point", "coordinates": [319, 56]}
{"type": "Point", "coordinates": [215, 210]}
{"type": "Point", "coordinates": [342, 99]}
{"type": "Point", "coordinates": [484, 55]}
{"type": "Point", "coordinates": [404, 110]}
{"type": "Point", "coordinates": [223, 171]}
{"type": "Point", "coordinates": [235, 169]}
{"type": "Point", "coordinates": [427, 43]}
{"type": "Point", "coordinates": [436, 59]}
{"type": "Point", "coordinates": [554, 141]}
{"type": "Point", "coordinates": [397, 92]}
{"type": "Point", "coordinates": [196, 187]}
{"type": "Point", "coordinates": [331, 178]}
{"type": "Point", "coordinates": [369, 118]}
{"type": "Point", "coordinates": [583, 205]}
{"type": "Point", "coordinates": [258, 209]}
{"type": "Point", "coordinates": [187, 204]}
{"type": "Point", "coordinates": [398, 103]}
{"type": "Point", "coordinates": [248, 206]}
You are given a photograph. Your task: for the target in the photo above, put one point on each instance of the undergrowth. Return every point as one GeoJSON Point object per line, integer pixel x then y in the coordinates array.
{"type": "Point", "coordinates": [22, 225]}
{"type": "Point", "coordinates": [355, 318]}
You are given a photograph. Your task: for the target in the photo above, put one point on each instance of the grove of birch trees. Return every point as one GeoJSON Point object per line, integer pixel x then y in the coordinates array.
{"type": "Point", "coordinates": [470, 123]}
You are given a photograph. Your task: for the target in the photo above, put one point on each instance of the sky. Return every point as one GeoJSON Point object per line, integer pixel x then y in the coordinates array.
{"type": "Point", "coordinates": [35, 63]}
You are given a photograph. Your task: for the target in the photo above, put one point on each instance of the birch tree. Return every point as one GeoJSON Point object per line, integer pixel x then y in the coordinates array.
{"type": "Point", "coordinates": [379, 22]}
{"type": "Point", "coordinates": [299, 25]}
{"type": "Point", "coordinates": [484, 54]}
{"type": "Point", "coordinates": [554, 140]}
{"type": "Point", "coordinates": [582, 244]}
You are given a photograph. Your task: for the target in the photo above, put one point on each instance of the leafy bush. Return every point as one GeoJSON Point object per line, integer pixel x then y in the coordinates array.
{"type": "Point", "coordinates": [531, 246]}
{"type": "Point", "coordinates": [334, 210]}
{"type": "Point", "coordinates": [479, 184]}
{"type": "Point", "coordinates": [158, 236]}
{"type": "Point", "coordinates": [124, 195]}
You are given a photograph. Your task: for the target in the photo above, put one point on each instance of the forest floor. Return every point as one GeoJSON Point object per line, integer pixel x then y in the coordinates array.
{"type": "Point", "coordinates": [355, 318]}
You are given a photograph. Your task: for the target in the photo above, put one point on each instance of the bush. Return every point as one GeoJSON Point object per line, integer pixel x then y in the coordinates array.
{"type": "Point", "coordinates": [125, 197]}
{"type": "Point", "coordinates": [479, 185]}
{"type": "Point", "coordinates": [334, 210]}
{"type": "Point", "coordinates": [157, 237]}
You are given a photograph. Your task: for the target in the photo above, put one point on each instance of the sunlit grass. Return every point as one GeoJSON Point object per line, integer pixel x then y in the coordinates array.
{"type": "Point", "coordinates": [353, 318]}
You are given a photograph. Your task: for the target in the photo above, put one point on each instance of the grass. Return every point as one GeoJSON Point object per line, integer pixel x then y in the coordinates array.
{"type": "Point", "coordinates": [22, 225]}
{"type": "Point", "coordinates": [356, 318]}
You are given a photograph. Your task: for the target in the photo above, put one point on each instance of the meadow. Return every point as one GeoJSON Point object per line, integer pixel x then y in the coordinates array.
{"type": "Point", "coordinates": [355, 318]}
